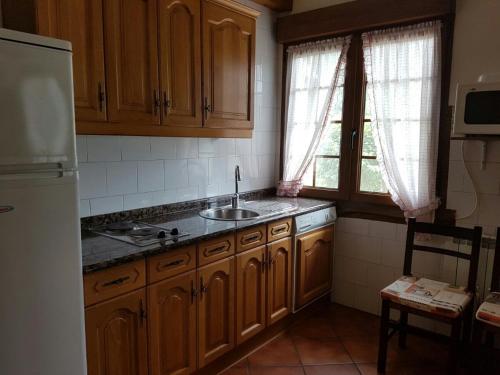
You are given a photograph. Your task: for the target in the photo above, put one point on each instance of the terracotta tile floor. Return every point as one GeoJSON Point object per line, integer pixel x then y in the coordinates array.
{"type": "Point", "coordinates": [341, 341]}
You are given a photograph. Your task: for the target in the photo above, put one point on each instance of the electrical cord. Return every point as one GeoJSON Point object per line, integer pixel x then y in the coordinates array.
{"type": "Point", "coordinates": [473, 187]}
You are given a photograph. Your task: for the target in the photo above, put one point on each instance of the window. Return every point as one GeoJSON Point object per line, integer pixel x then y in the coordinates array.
{"type": "Point", "coordinates": [371, 180]}
{"type": "Point", "coordinates": [344, 165]}
{"type": "Point", "coordinates": [323, 171]}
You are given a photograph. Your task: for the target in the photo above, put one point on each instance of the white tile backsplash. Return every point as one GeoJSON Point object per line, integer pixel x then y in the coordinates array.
{"type": "Point", "coordinates": [106, 205]}
{"type": "Point", "coordinates": [163, 148]}
{"type": "Point", "coordinates": [151, 175]}
{"type": "Point", "coordinates": [101, 148]}
{"type": "Point", "coordinates": [136, 148]}
{"type": "Point", "coordinates": [118, 172]}
{"type": "Point", "coordinates": [122, 177]}
{"type": "Point", "coordinates": [92, 180]}
{"type": "Point", "coordinates": [198, 172]}
{"type": "Point", "coordinates": [176, 174]}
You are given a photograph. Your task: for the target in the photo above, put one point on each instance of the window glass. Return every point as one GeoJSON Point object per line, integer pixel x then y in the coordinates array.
{"type": "Point", "coordinates": [371, 180]}
{"type": "Point", "coordinates": [323, 172]}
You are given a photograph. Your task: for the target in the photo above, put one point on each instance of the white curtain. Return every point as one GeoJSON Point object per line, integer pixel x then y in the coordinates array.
{"type": "Point", "coordinates": [403, 68]}
{"type": "Point", "coordinates": [313, 73]}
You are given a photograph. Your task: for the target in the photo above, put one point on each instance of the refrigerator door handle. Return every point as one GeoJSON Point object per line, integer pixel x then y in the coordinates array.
{"type": "Point", "coordinates": [33, 171]}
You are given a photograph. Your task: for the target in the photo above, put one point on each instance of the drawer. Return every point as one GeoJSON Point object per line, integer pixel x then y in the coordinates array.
{"type": "Point", "coordinates": [249, 238]}
{"type": "Point", "coordinates": [103, 285]}
{"type": "Point", "coordinates": [214, 249]}
{"type": "Point", "coordinates": [171, 263]}
{"type": "Point", "coordinates": [279, 229]}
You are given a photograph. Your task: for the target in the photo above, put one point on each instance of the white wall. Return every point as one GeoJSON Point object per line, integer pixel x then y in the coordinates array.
{"type": "Point", "coordinates": [121, 173]}
{"type": "Point", "coordinates": [369, 254]}
{"type": "Point", "coordinates": [476, 50]}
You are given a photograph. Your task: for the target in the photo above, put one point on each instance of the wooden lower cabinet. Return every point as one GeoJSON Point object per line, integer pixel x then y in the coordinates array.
{"type": "Point", "coordinates": [172, 325]}
{"type": "Point", "coordinates": [279, 280]}
{"type": "Point", "coordinates": [314, 264]}
{"type": "Point", "coordinates": [250, 293]}
{"type": "Point", "coordinates": [215, 310]}
{"type": "Point", "coordinates": [117, 336]}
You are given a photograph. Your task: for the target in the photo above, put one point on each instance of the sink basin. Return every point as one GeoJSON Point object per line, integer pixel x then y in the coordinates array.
{"type": "Point", "coordinates": [229, 214]}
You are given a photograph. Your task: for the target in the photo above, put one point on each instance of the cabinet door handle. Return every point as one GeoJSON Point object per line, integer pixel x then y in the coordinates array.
{"type": "Point", "coordinates": [194, 292]}
{"type": "Point", "coordinates": [203, 288]}
{"type": "Point", "coordinates": [156, 102]}
{"type": "Point", "coordinates": [142, 313]}
{"type": "Point", "coordinates": [263, 261]}
{"type": "Point", "coordinates": [270, 260]}
{"type": "Point", "coordinates": [207, 108]}
{"type": "Point", "coordinates": [100, 96]}
{"type": "Point", "coordinates": [118, 281]}
{"type": "Point", "coordinates": [166, 103]}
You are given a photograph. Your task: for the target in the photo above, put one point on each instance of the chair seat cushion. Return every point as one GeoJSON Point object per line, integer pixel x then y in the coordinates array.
{"type": "Point", "coordinates": [428, 295]}
{"type": "Point", "coordinates": [489, 311]}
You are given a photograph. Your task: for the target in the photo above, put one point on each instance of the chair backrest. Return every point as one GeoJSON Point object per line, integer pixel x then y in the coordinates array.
{"type": "Point", "coordinates": [473, 235]}
{"type": "Point", "coordinates": [495, 277]}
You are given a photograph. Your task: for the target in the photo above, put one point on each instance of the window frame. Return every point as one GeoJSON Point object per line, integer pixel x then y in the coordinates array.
{"type": "Point", "coordinates": [349, 199]}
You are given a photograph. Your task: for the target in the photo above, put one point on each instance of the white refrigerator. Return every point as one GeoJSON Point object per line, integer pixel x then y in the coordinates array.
{"type": "Point", "coordinates": [41, 303]}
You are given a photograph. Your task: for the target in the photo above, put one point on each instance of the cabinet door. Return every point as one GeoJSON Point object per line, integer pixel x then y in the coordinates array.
{"type": "Point", "coordinates": [80, 22]}
{"type": "Point", "coordinates": [250, 293]}
{"type": "Point", "coordinates": [228, 64]}
{"type": "Point", "coordinates": [116, 336]}
{"type": "Point", "coordinates": [172, 325]}
{"type": "Point", "coordinates": [215, 310]}
{"type": "Point", "coordinates": [180, 62]}
{"type": "Point", "coordinates": [314, 264]}
{"type": "Point", "coordinates": [279, 280]}
{"type": "Point", "coordinates": [132, 61]}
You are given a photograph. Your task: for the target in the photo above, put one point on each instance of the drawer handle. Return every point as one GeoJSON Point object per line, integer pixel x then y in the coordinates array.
{"type": "Point", "coordinates": [217, 249]}
{"type": "Point", "coordinates": [251, 238]}
{"type": "Point", "coordinates": [118, 281]}
{"type": "Point", "coordinates": [280, 229]}
{"type": "Point", "coordinates": [172, 264]}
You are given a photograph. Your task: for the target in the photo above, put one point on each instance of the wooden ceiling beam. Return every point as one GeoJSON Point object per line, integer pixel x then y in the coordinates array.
{"type": "Point", "coordinates": [358, 15]}
{"type": "Point", "coordinates": [276, 5]}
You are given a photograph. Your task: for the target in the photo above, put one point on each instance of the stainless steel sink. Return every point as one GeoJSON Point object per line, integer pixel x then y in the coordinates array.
{"type": "Point", "coordinates": [229, 214]}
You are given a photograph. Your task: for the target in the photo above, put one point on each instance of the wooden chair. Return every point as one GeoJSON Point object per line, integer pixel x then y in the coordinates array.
{"type": "Point", "coordinates": [481, 327]}
{"type": "Point", "coordinates": [456, 320]}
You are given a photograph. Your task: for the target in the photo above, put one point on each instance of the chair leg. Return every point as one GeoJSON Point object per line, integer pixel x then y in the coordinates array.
{"type": "Point", "coordinates": [384, 337]}
{"type": "Point", "coordinates": [454, 346]}
{"type": "Point", "coordinates": [468, 316]}
{"type": "Point", "coordinates": [403, 327]}
{"type": "Point", "coordinates": [477, 336]}
{"type": "Point", "coordinates": [490, 339]}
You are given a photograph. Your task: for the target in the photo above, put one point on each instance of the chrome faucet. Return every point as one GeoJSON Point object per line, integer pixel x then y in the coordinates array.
{"type": "Point", "coordinates": [235, 199]}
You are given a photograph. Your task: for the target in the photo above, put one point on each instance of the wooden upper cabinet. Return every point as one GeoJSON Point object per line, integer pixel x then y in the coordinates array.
{"type": "Point", "coordinates": [180, 62]}
{"type": "Point", "coordinates": [116, 336]}
{"type": "Point", "coordinates": [314, 265]}
{"type": "Point", "coordinates": [131, 36]}
{"type": "Point", "coordinates": [80, 22]}
{"type": "Point", "coordinates": [215, 310]}
{"type": "Point", "coordinates": [250, 293]}
{"type": "Point", "coordinates": [279, 280]}
{"type": "Point", "coordinates": [228, 64]}
{"type": "Point", "coordinates": [172, 325]}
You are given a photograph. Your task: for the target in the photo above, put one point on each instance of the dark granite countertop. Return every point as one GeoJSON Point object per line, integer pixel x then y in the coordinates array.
{"type": "Point", "coordinates": [100, 252]}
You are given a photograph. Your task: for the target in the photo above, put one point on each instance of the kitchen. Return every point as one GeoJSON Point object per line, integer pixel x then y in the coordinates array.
{"type": "Point", "coordinates": [190, 261]}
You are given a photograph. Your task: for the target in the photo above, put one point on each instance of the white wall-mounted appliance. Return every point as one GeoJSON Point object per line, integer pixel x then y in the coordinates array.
{"type": "Point", "coordinates": [477, 109]}
{"type": "Point", "coordinates": [41, 310]}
